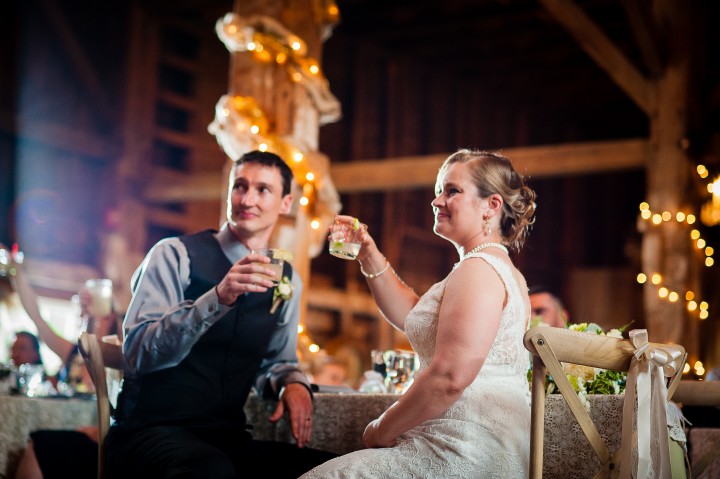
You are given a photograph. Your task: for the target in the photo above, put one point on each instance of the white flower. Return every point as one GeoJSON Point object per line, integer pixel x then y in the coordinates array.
{"type": "Point", "coordinates": [285, 290]}
{"type": "Point", "coordinates": [282, 292]}
{"type": "Point", "coordinates": [615, 333]}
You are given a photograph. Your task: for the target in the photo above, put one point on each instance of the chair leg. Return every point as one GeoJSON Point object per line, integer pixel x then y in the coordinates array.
{"type": "Point", "coordinates": [537, 419]}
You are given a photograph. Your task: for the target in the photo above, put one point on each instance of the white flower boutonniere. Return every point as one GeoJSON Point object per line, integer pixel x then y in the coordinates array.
{"type": "Point", "coordinates": [283, 291]}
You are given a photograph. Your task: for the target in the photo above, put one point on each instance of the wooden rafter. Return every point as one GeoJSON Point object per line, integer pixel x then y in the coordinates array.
{"type": "Point", "coordinates": [646, 34]}
{"type": "Point", "coordinates": [603, 51]}
{"type": "Point", "coordinates": [80, 61]}
{"type": "Point", "coordinates": [420, 171]}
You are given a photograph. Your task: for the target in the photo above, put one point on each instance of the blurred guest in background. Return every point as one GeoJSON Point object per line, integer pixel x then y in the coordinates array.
{"type": "Point", "coordinates": [66, 350]}
{"type": "Point", "coordinates": [25, 349]}
{"type": "Point", "coordinates": [48, 451]}
{"type": "Point", "coordinates": [328, 370]}
{"type": "Point", "coordinates": [547, 308]}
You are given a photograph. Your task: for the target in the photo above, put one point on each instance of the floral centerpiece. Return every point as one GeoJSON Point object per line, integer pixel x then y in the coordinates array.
{"type": "Point", "coordinates": [588, 380]}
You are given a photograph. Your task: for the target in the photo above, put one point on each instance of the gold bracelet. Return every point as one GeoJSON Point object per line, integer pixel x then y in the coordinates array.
{"type": "Point", "coordinates": [375, 275]}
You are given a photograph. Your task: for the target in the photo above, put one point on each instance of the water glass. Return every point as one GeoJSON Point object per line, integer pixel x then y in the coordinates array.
{"type": "Point", "coordinates": [345, 238]}
{"type": "Point", "coordinates": [100, 291]}
{"type": "Point", "coordinates": [277, 262]}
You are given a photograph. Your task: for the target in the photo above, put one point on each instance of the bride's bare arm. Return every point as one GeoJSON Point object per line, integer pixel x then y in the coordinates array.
{"type": "Point", "coordinates": [469, 320]}
{"type": "Point", "coordinates": [394, 298]}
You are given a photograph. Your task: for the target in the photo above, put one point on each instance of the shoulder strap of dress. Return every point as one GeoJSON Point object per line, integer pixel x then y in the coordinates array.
{"type": "Point", "coordinates": [500, 267]}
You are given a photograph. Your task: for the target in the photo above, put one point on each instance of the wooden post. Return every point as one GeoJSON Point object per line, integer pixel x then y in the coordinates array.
{"type": "Point", "coordinates": [287, 105]}
{"type": "Point", "coordinates": [667, 248]}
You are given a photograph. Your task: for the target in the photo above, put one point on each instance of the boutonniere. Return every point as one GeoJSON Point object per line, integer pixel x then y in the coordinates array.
{"type": "Point", "coordinates": [283, 291]}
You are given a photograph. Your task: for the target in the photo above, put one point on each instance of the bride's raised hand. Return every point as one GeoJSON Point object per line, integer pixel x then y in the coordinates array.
{"type": "Point", "coordinates": [359, 231]}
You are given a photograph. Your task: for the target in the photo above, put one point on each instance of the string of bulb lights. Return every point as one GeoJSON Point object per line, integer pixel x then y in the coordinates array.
{"type": "Point", "coordinates": [240, 125]}
{"type": "Point", "coordinates": [710, 215]}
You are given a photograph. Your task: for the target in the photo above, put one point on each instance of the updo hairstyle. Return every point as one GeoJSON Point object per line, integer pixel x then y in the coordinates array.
{"type": "Point", "coordinates": [493, 173]}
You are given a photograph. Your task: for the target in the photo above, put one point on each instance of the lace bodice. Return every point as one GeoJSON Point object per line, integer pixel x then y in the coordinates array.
{"type": "Point", "coordinates": [507, 349]}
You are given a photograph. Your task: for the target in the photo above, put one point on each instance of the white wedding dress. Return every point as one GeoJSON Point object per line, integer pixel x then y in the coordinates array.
{"type": "Point", "coordinates": [486, 433]}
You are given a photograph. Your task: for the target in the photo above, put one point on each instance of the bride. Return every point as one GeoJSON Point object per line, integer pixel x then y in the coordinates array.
{"type": "Point", "coordinates": [467, 414]}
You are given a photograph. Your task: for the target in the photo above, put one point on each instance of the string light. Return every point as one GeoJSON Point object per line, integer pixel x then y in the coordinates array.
{"type": "Point", "coordinates": [240, 125]}
{"type": "Point", "coordinates": [665, 293]}
{"type": "Point", "coordinates": [700, 309]}
{"type": "Point", "coordinates": [269, 41]}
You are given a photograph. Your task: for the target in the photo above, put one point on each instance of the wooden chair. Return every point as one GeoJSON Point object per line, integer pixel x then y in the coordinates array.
{"type": "Point", "coordinates": [551, 346]}
{"type": "Point", "coordinates": [99, 355]}
{"type": "Point", "coordinates": [700, 393]}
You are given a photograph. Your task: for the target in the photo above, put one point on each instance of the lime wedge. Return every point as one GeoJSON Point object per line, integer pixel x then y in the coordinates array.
{"type": "Point", "coordinates": [283, 254]}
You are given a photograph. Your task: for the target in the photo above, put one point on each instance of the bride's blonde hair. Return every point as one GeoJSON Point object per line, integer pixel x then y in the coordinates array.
{"type": "Point", "coordinates": [493, 173]}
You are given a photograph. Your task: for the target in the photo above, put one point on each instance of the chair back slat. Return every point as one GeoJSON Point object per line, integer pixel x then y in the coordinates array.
{"type": "Point", "coordinates": [99, 355]}
{"type": "Point", "coordinates": [551, 347]}
{"type": "Point", "coordinates": [584, 348]}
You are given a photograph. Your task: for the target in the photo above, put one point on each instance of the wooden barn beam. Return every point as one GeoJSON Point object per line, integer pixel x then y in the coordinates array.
{"type": "Point", "coordinates": [62, 137]}
{"type": "Point", "coordinates": [603, 51]}
{"type": "Point", "coordinates": [535, 161]}
{"type": "Point", "coordinates": [81, 62]}
{"type": "Point", "coordinates": [420, 171]}
{"type": "Point", "coordinates": [646, 34]}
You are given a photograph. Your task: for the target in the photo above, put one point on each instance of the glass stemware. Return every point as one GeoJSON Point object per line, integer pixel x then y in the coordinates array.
{"type": "Point", "coordinates": [401, 369]}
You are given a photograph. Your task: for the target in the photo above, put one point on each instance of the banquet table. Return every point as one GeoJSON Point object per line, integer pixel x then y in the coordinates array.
{"type": "Point", "coordinates": [20, 415]}
{"type": "Point", "coordinates": [340, 419]}
{"type": "Point", "coordinates": [338, 423]}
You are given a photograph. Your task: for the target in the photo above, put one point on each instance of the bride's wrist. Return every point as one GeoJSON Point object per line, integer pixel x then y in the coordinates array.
{"type": "Point", "coordinates": [374, 265]}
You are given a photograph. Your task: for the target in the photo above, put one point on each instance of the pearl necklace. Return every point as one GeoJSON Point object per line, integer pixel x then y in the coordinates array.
{"type": "Point", "coordinates": [482, 246]}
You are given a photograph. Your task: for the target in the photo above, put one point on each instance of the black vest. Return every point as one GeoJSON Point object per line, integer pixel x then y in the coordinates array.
{"type": "Point", "coordinates": [210, 386]}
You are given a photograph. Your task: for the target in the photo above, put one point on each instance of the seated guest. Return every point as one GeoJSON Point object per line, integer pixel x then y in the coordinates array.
{"type": "Point", "coordinates": [48, 451]}
{"type": "Point", "coordinates": [25, 349]}
{"type": "Point", "coordinates": [66, 350]}
{"type": "Point", "coordinates": [329, 371]}
{"type": "Point", "coordinates": [547, 308]}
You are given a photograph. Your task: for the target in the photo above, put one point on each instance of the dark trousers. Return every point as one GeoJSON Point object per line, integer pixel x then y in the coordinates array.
{"type": "Point", "coordinates": [168, 451]}
{"type": "Point", "coordinates": [65, 453]}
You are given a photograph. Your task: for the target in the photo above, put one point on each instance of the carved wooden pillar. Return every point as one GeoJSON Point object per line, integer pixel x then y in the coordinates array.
{"type": "Point", "coordinates": [295, 107]}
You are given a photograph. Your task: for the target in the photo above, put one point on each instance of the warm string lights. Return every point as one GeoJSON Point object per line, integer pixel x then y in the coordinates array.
{"type": "Point", "coordinates": [698, 369]}
{"type": "Point", "coordinates": [269, 41]}
{"type": "Point", "coordinates": [710, 211]}
{"type": "Point", "coordinates": [240, 126]}
{"type": "Point", "coordinates": [693, 305]}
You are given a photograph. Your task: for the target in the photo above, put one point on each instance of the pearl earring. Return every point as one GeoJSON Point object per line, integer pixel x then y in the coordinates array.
{"type": "Point", "coordinates": [486, 226]}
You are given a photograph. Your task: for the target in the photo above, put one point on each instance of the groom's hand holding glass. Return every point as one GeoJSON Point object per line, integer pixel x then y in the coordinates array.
{"type": "Point", "coordinates": [250, 274]}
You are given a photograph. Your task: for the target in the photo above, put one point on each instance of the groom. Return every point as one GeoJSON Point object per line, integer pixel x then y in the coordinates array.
{"type": "Point", "coordinates": [199, 334]}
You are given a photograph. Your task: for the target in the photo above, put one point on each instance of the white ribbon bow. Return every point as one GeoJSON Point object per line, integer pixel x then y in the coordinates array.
{"type": "Point", "coordinates": [646, 384]}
